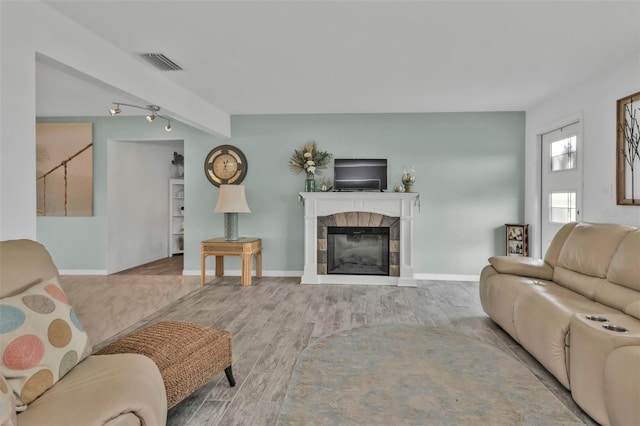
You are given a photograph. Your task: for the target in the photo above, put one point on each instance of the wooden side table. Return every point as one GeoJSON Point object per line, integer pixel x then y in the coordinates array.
{"type": "Point", "coordinates": [243, 247]}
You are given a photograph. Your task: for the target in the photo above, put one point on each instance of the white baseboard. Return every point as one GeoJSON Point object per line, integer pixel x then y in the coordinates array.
{"type": "Point", "coordinates": [238, 272]}
{"type": "Point", "coordinates": [83, 272]}
{"type": "Point", "coordinates": [446, 277]}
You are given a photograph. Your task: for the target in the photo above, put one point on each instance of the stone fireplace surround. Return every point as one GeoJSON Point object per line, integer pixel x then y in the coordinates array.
{"type": "Point", "coordinates": [366, 205]}
{"type": "Point", "coordinates": [358, 219]}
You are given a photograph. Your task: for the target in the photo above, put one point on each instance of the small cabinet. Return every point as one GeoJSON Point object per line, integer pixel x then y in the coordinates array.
{"type": "Point", "coordinates": [517, 239]}
{"type": "Point", "coordinates": [176, 216]}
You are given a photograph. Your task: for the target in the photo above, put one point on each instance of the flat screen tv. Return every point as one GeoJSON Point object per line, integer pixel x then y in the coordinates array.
{"type": "Point", "coordinates": [357, 174]}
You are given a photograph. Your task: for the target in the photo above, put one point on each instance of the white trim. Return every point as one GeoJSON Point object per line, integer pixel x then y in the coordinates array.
{"type": "Point", "coordinates": [83, 272]}
{"type": "Point", "coordinates": [446, 277]}
{"type": "Point", "coordinates": [238, 272]}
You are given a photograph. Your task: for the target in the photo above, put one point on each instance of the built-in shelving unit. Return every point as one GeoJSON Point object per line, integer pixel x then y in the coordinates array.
{"type": "Point", "coordinates": [176, 216]}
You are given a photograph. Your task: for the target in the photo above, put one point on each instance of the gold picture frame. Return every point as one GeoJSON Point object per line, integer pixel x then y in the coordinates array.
{"type": "Point", "coordinates": [628, 151]}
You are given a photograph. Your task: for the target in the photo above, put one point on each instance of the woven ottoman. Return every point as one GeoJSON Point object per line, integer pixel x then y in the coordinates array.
{"type": "Point", "coordinates": [188, 355]}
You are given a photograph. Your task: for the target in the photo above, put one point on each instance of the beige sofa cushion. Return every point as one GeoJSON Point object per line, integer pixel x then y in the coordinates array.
{"type": "Point", "coordinates": [22, 264]}
{"type": "Point", "coordinates": [621, 290]}
{"type": "Point", "coordinates": [41, 339]}
{"type": "Point", "coordinates": [551, 257]}
{"type": "Point", "coordinates": [542, 321]}
{"type": "Point", "coordinates": [100, 390]}
{"type": "Point", "coordinates": [625, 265]}
{"type": "Point", "coordinates": [589, 248]}
{"type": "Point", "coordinates": [584, 259]}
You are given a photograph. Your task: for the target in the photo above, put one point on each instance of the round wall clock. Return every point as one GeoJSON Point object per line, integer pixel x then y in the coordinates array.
{"type": "Point", "coordinates": [225, 165]}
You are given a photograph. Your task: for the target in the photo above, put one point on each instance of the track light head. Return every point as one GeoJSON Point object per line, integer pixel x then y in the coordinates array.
{"type": "Point", "coordinates": [154, 111]}
{"type": "Point", "coordinates": [115, 110]}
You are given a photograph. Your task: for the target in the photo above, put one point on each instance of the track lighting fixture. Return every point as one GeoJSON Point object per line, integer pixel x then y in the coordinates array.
{"type": "Point", "coordinates": [153, 110]}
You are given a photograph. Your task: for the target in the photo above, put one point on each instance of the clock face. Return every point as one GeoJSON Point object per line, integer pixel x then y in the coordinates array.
{"type": "Point", "coordinates": [225, 165]}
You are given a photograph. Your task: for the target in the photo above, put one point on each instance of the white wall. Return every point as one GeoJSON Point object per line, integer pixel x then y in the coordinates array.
{"type": "Point", "coordinates": [594, 101]}
{"type": "Point", "coordinates": [30, 28]}
{"type": "Point", "coordinates": [138, 174]}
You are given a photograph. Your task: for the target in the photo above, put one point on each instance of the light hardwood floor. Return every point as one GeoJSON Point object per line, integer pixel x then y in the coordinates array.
{"type": "Point", "coordinates": [273, 320]}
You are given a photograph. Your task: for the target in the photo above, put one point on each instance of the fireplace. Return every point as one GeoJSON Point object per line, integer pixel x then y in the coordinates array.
{"type": "Point", "coordinates": [392, 210]}
{"type": "Point", "coordinates": [358, 250]}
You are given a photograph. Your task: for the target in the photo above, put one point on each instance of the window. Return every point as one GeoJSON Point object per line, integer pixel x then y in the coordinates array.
{"type": "Point", "coordinates": [563, 154]}
{"type": "Point", "coordinates": [562, 207]}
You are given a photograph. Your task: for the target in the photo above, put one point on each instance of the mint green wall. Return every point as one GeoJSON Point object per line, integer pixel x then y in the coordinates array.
{"type": "Point", "coordinates": [469, 169]}
{"type": "Point", "coordinates": [79, 243]}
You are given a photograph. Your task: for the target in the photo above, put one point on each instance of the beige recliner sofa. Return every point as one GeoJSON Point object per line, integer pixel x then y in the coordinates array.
{"type": "Point", "coordinates": [123, 389]}
{"type": "Point", "coordinates": [578, 313]}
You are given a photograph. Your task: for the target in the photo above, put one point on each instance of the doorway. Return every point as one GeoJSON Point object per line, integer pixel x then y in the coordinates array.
{"type": "Point", "coordinates": [561, 180]}
{"type": "Point", "coordinates": [137, 218]}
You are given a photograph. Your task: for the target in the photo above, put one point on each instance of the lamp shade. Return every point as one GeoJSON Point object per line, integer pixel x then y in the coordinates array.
{"type": "Point", "coordinates": [232, 200]}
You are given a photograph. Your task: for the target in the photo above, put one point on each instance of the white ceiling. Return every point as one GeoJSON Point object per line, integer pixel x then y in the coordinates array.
{"type": "Point", "coordinates": [268, 57]}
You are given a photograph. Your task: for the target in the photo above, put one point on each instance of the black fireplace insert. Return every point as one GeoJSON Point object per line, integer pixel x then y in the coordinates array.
{"type": "Point", "coordinates": [357, 250]}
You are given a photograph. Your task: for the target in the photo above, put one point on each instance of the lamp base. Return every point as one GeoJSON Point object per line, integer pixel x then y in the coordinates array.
{"type": "Point", "coordinates": [231, 226]}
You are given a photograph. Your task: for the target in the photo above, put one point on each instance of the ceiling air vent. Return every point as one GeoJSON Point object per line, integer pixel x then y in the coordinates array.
{"type": "Point", "coordinates": [160, 61]}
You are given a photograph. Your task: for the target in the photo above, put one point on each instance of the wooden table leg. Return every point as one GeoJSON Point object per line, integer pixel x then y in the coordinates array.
{"type": "Point", "coordinates": [246, 269]}
{"type": "Point", "coordinates": [219, 266]}
{"type": "Point", "coordinates": [203, 258]}
{"type": "Point", "coordinates": [259, 264]}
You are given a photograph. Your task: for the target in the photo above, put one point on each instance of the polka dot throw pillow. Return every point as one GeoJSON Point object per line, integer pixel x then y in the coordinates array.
{"type": "Point", "coordinates": [41, 339]}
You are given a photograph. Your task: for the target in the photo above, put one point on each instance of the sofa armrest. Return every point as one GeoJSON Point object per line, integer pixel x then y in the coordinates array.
{"type": "Point", "coordinates": [103, 390]}
{"type": "Point", "coordinates": [622, 385]}
{"type": "Point", "coordinates": [523, 266]}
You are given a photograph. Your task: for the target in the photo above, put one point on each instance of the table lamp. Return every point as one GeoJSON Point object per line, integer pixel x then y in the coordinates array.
{"type": "Point", "coordinates": [231, 201]}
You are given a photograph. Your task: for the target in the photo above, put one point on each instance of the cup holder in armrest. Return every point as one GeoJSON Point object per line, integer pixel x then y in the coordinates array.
{"type": "Point", "coordinates": [617, 328]}
{"type": "Point", "coordinates": [597, 318]}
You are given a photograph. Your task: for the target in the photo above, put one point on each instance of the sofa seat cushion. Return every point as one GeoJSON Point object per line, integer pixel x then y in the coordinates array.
{"type": "Point", "coordinates": [41, 339]}
{"type": "Point", "coordinates": [498, 293]}
{"type": "Point", "coordinates": [102, 390]}
{"type": "Point", "coordinates": [541, 320]}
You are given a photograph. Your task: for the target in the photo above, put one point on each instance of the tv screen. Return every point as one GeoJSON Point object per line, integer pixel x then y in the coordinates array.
{"type": "Point", "coordinates": [357, 174]}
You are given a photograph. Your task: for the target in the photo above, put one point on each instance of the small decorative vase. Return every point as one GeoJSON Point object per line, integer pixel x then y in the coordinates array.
{"type": "Point", "coordinates": [408, 178]}
{"type": "Point", "coordinates": [310, 183]}
{"type": "Point", "coordinates": [325, 185]}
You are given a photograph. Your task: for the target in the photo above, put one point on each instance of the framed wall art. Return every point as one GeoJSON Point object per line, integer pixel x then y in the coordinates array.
{"type": "Point", "coordinates": [517, 239]}
{"type": "Point", "coordinates": [628, 151]}
{"type": "Point", "coordinates": [64, 169]}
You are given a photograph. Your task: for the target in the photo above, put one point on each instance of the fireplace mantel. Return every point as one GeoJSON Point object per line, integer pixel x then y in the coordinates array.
{"type": "Point", "coordinates": [393, 204]}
